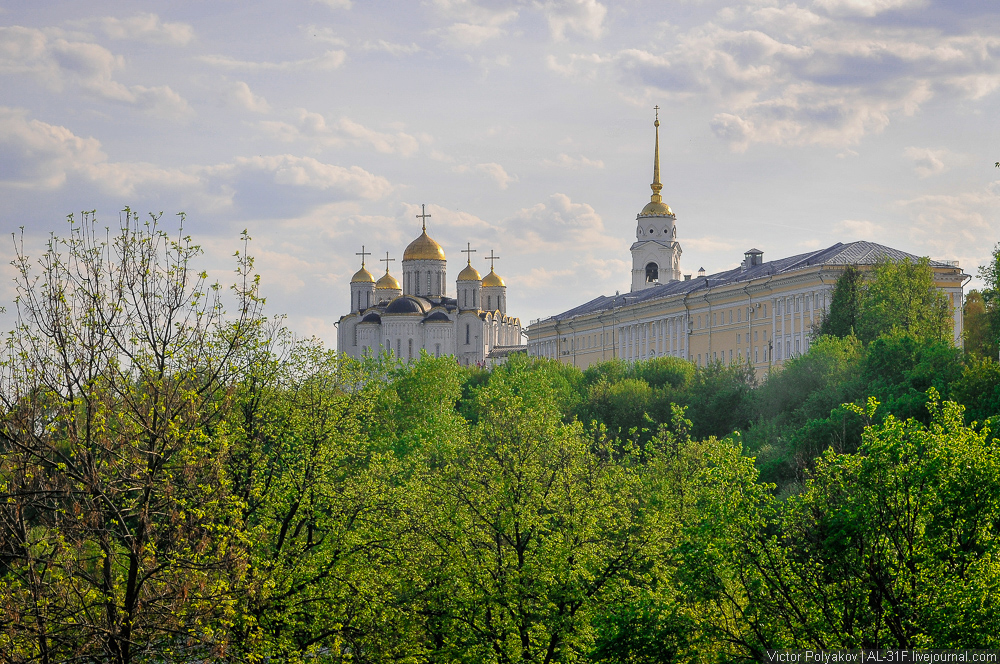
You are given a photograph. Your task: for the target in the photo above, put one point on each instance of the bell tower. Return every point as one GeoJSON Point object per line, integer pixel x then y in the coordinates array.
{"type": "Point", "coordinates": [656, 254]}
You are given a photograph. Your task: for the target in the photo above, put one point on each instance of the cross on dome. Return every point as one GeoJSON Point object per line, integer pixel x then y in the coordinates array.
{"type": "Point", "coordinates": [364, 253]}
{"type": "Point", "coordinates": [492, 258]}
{"type": "Point", "coordinates": [468, 251]}
{"type": "Point", "coordinates": [387, 260]}
{"type": "Point", "coordinates": [423, 216]}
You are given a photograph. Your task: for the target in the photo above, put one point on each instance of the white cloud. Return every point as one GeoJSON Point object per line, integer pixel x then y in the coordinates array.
{"type": "Point", "coordinates": [950, 225]}
{"type": "Point", "coordinates": [859, 229]}
{"type": "Point", "coordinates": [788, 76]}
{"type": "Point", "coordinates": [391, 48]}
{"type": "Point", "coordinates": [492, 170]}
{"type": "Point", "coordinates": [335, 4]}
{"type": "Point", "coordinates": [926, 162]}
{"type": "Point", "coordinates": [585, 17]}
{"type": "Point", "coordinates": [311, 126]}
{"type": "Point", "coordinates": [57, 62]}
{"type": "Point", "coordinates": [575, 163]}
{"type": "Point", "coordinates": [329, 60]}
{"type": "Point", "coordinates": [291, 170]}
{"type": "Point", "coordinates": [240, 95]}
{"type": "Point", "coordinates": [37, 155]}
{"type": "Point", "coordinates": [866, 8]}
{"type": "Point", "coordinates": [474, 24]}
{"type": "Point", "coordinates": [148, 28]}
{"type": "Point", "coordinates": [546, 227]}
{"type": "Point", "coordinates": [325, 35]}
{"type": "Point", "coordinates": [42, 156]}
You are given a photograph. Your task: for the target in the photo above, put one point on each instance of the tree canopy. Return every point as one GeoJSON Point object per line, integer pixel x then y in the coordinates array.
{"type": "Point", "coordinates": [186, 482]}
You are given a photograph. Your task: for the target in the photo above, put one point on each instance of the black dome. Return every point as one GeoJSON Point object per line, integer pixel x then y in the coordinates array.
{"type": "Point", "coordinates": [408, 305]}
{"type": "Point", "coordinates": [437, 316]}
{"type": "Point", "coordinates": [372, 318]}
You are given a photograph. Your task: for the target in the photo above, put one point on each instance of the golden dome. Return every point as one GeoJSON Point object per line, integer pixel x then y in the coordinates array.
{"type": "Point", "coordinates": [388, 282]}
{"type": "Point", "coordinates": [423, 249]}
{"type": "Point", "coordinates": [493, 280]}
{"type": "Point", "coordinates": [656, 209]}
{"type": "Point", "coordinates": [362, 276]}
{"type": "Point", "coordinates": [469, 273]}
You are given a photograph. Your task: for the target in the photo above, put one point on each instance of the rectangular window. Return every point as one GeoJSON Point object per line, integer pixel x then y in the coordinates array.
{"type": "Point", "coordinates": [466, 334]}
{"type": "Point", "coordinates": [437, 350]}
{"type": "Point", "coordinates": [428, 283]}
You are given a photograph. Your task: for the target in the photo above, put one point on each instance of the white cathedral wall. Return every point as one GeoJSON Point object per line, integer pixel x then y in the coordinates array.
{"type": "Point", "coordinates": [493, 298]}
{"type": "Point", "coordinates": [366, 291]}
{"type": "Point", "coordinates": [469, 294]}
{"type": "Point", "coordinates": [425, 278]}
{"type": "Point", "coordinates": [439, 338]}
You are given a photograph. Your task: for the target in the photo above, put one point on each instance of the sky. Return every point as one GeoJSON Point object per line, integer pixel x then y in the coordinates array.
{"type": "Point", "coordinates": [524, 126]}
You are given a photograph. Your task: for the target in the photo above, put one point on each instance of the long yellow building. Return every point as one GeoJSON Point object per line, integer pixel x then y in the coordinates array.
{"type": "Point", "coordinates": [762, 312]}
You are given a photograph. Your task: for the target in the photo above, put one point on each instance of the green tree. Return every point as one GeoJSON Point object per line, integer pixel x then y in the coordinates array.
{"type": "Point", "coordinates": [845, 304]}
{"type": "Point", "coordinates": [901, 295]}
{"type": "Point", "coordinates": [895, 546]}
{"type": "Point", "coordinates": [978, 389]}
{"type": "Point", "coordinates": [990, 274]}
{"type": "Point", "coordinates": [115, 536]}
{"type": "Point", "coordinates": [519, 536]}
{"type": "Point", "coordinates": [978, 337]}
{"type": "Point", "coordinates": [319, 501]}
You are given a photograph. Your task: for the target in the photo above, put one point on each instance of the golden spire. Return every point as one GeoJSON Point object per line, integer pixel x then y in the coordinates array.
{"type": "Point", "coordinates": [656, 207]}
{"type": "Point", "coordinates": [656, 186]}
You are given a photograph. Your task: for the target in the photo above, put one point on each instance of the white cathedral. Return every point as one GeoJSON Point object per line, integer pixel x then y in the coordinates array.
{"type": "Point", "coordinates": [403, 320]}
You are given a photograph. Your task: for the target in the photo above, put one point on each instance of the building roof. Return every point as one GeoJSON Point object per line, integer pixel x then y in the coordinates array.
{"type": "Point", "coordinates": [852, 253]}
{"type": "Point", "coordinates": [408, 304]}
{"type": "Point", "coordinates": [506, 351]}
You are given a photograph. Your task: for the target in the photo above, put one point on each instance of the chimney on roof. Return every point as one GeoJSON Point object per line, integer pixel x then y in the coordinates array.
{"type": "Point", "coordinates": [687, 277]}
{"type": "Point", "coordinates": [752, 257]}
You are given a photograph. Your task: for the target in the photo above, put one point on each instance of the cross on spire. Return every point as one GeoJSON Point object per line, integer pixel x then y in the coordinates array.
{"type": "Point", "coordinates": [656, 186]}
{"type": "Point", "coordinates": [387, 260]}
{"type": "Point", "coordinates": [362, 253]}
{"type": "Point", "coordinates": [423, 216]}
{"type": "Point", "coordinates": [492, 258]}
{"type": "Point", "coordinates": [468, 251]}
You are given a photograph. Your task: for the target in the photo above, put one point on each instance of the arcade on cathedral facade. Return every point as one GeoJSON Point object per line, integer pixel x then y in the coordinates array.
{"type": "Point", "coordinates": [761, 313]}
{"type": "Point", "coordinates": [404, 319]}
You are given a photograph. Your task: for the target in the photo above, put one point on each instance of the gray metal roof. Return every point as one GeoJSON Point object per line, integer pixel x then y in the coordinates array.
{"type": "Point", "coordinates": [852, 253]}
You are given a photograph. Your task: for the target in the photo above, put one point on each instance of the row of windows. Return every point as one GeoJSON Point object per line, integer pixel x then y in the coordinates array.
{"type": "Point", "coordinates": [415, 282]}
{"type": "Point", "coordinates": [367, 300]}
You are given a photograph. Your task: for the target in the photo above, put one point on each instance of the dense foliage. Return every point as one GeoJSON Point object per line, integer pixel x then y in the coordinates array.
{"type": "Point", "coordinates": [177, 484]}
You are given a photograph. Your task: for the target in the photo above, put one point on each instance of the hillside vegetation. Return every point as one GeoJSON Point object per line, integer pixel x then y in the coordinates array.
{"type": "Point", "coordinates": [179, 484]}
